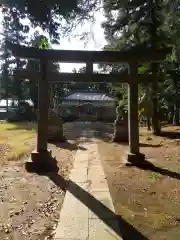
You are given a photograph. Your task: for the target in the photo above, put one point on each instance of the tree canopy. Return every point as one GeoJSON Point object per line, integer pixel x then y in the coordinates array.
{"type": "Point", "coordinates": [54, 15]}
{"type": "Point", "coordinates": [149, 23]}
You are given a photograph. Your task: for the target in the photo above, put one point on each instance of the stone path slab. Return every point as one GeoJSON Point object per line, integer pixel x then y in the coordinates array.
{"type": "Point", "coordinates": [88, 211]}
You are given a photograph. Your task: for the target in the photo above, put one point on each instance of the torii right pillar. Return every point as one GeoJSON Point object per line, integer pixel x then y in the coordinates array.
{"type": "Point", "coordinates": [134, 156]}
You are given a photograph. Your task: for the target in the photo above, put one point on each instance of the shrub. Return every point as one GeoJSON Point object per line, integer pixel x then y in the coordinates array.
{"type": "Point", "coordinates": [23, 112]}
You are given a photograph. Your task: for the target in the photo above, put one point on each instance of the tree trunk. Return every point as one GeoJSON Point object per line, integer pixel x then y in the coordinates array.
{"type": "Point", "coordinates": [6, 78]}
{"type": "Point", "coordinates": [154, 68]}
{"type": "Point", "coordinates": [171, 114]}
{"type": "Point", "coordinates": [176, 114]}
{"type": "Point", "coordinates": [148, 123]}
{"type": "Point", "coordinates": [18, 82]}
{"type": "Point", "coordinates": [176, 103]}
{"type": "Point", "coordinates": [155, 113]}
{"type": "Point", "coordinates": [7, 93]}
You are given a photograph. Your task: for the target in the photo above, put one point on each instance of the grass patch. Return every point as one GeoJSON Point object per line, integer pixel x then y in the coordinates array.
{"type": "Point", "coordinates": [16, 140]}
{"type": "Point", "coordinates": [5, 126]}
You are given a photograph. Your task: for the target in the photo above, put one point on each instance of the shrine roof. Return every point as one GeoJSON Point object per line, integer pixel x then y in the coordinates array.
{"type": "Point", "coordinates": [88, 96]}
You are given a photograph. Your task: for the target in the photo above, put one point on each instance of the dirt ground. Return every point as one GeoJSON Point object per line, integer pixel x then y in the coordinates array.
{"type": "Point", "coordinates": [30, 203]}
{"type": "Point", "coordinates": [149, 200]}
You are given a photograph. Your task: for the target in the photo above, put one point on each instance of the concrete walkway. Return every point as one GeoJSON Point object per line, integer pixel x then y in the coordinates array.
{"type": "Point", "coordinates": [87, 212]}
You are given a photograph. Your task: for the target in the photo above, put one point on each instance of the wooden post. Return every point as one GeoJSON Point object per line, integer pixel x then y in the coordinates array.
{"type": "Point", "coordinates": [133, 108]}
{"type": "Point", "coordinates": [89, 67]}
{"type": "Point", "coordinates": [43, 106]}
{"type": "Point", "coordinates": [51, 103]}
{"type": "Point", "coordinates": [133, 123]}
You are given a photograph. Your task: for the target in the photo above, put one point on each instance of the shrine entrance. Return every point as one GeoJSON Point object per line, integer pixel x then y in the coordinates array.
{"type": "Point", "coordinates": [88, 111]}
{"type": "Point", "coordinates": [132, 58]}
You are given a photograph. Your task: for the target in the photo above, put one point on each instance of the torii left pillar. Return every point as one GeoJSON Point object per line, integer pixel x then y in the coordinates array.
{"type": "Point", "coordinates": [42, 156]}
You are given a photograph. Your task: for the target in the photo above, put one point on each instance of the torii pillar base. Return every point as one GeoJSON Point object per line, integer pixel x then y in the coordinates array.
{"type": "Point", "coordinates": [138, 160]}
{"type": "Point", "coordinates": [135, 159]}
{"type": "Point", "coordinates": [42, 162]}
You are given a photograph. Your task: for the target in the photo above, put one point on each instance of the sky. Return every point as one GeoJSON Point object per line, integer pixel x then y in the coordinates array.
{"type": "Point", "coordinates": [95, 43]}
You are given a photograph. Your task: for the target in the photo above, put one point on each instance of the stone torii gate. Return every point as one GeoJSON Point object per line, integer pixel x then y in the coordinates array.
{"type": "Point", "coordinates": [132, 58]}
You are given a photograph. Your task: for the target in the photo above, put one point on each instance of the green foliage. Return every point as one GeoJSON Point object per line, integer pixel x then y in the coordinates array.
{"type": "Point", "coordinates": [40, 41]}
{"type": "Point", "coordinates": [44, 43]}
{"type": "Point", "coordinates": [148, 23]}
{"type": "Point", "coordinates": [132, 22]}
{"type": "Point", "coordinates": [143, 68]}
{"type": "Point", "coordinates": [41, 11]}
{"type": "Point", "coordinates": [16, 31]}
{"type": "Point", "coordinates": [145, 103]}
{"type": "Point", "coordinates": [23, 112]}
{"type": "Point", "coordinates": [54, 15]}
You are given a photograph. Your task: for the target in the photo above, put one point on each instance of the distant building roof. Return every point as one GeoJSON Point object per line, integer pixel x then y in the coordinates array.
{"type": "Point", "coordinates": [88, 96]}
{"type": "Point", "coordinates": [3, 102]}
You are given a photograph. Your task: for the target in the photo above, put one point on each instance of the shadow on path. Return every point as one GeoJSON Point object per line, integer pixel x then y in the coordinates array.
{"type": "Point", "coordinates": [148, 166]}
{"type": "Point", "coordinates": [70, 146]}
{"type": "Point", "coordinates": [170, 134]}
{"type": "Point", "coordinates": [125, 143]}
{"type": "Point", "coordinates": [150, 145]}
{"type": "Point", "coordinates": [123, 229]}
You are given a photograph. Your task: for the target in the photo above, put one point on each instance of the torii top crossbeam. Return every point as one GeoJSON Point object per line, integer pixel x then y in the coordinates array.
{"type": "Point", "coordinates": [75, 56]}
